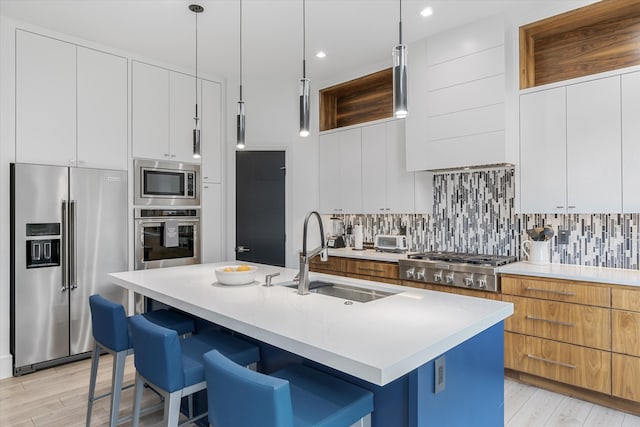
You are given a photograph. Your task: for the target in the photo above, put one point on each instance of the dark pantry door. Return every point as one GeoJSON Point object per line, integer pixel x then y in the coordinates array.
{"type": "Point", "coordinates": [260, 204]}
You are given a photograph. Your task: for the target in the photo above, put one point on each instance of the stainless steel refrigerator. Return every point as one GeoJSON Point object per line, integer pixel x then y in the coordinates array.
{"type": "Point", "coordinates": [68, 230]}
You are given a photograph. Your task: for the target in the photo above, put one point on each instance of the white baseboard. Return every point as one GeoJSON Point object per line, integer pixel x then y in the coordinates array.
{"type": "Point", "coordinates": [6, 366]}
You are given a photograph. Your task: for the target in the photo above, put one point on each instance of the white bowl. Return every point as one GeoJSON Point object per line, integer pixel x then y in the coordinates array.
{"type": "Point", "coordinates": [236, 277]}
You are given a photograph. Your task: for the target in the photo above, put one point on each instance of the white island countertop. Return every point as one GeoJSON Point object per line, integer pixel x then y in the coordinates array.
{"type": "Point", "coordinates": [377, 341]}
{"type": "Point", "coordinates": [613, 276]}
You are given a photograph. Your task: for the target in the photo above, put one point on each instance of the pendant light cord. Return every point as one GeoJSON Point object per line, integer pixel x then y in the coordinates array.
{"type": "Point", "coordinates": [240, 50]}
{"type": "Point", "coordinates": [196, 85]}
{"type": "Point", "coordinates": [304, 40]}
{"type": "Point", "coordinates": [400, 23]}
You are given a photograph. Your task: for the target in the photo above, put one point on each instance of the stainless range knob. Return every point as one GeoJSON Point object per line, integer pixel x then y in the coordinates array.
{"type": "Point", "coordinates": [409, 273]}
{"type": "Point", "coordinates": [469, 281]}
{"type": "Point", "coordinates": [420, 274]}
{"type": "Point", "coordinates": [482, 282]}
{"type": "Point", "coordinates": [437, 276]}
{"type": "Point", "coordinates": [449, 278]}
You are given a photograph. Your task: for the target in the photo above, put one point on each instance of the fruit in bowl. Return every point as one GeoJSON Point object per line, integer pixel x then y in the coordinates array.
{"type": "Point", "coordinates": [236, 274]}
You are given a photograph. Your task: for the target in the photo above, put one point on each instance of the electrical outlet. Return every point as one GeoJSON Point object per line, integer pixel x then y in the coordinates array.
{"type": "Point", "coordinates": [440, 374]}
{"type": "Point", "coordinates": [563, 237]}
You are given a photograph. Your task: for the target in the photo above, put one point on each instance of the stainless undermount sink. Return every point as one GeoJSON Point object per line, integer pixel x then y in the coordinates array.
{"type": "Point", "coordinates": [339, 290]}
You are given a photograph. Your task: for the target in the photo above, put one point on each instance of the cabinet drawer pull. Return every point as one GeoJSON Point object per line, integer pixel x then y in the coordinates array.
{"type": "Point", "coordinates": [371, 269]}
{"type": "Point", "coordinates": [554, 362]}
{"type": "Point", "coordinates": [555, 322]}
{"type": "Point", "coordinates": [551, 291]}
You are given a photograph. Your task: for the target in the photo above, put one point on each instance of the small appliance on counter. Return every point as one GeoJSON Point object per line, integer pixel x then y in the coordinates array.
{"type": "Point", "coordinates": [388, 243]}
{"type": "Point", "coordinates": [358, 237]}
{"type": "Point", "coordinates": [336, 239]}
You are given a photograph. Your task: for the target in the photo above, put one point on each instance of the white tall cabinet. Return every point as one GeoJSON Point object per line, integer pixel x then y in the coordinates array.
{"type": "Point", "coordinates": [71, 104]}
{"type": "Point", "coordinates": [341, 172]}
{"type": "Point", "coordinates": [570, 148]}
{"type": "Point", "coordinates": [630, 142]}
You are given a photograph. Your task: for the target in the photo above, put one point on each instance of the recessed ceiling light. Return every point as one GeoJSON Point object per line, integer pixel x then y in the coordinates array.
{"type": "Point", "coordinates": [427, 11]}
{"type": "Point", "coordinates": [321, 54]}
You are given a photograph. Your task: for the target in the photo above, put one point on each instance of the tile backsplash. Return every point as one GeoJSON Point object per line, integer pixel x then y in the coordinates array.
{"type": "Point", "coordinates": [475, 212]}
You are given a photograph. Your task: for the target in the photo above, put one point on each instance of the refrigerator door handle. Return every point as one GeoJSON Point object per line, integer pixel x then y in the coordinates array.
{"type": "Point", "coordinates": [73, 276]}
{"type": "Point", "coordinates": [65, 269]}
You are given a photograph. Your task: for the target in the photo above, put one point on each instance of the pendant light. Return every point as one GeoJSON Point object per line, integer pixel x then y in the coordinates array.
{"type": "Point", "coordinates": [240, 119]}
{"type": "Point", "coordinates": [196, 9]}
{"type": "Point", "coordinates": [400, 75]}
{"type": "Point", "coordinates": [304, 81]}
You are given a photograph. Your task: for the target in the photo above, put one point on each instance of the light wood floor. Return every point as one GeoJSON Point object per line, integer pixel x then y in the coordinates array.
{"type": "Point", "coordinates": [58, 397]}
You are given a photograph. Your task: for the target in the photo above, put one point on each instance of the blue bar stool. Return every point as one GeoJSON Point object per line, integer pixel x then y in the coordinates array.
{"type": "Point", "coordinates": [111, 334]}
{"type": "Point", "coordinates": [174, 367]}
{"type": "Point", "coordinates": [294, 396]}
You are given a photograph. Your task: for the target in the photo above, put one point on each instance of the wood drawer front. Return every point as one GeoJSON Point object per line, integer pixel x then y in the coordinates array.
{"type": "Point", "coordinates": [625, 299]}
{"type": "Point", "coordinates": [626, 377]}
{"type": "Point", "coordinates": [333, 264]}
{"type": "Point", "coordinates": [557, 290]}
{"type": "Point", "coordinates": [572, 323]}
{"type": "Point", "coordinates": [373, 268]}
{"type": "Point", "coordinates": [374, 278]}
{"type": "Point", "coordinates": [566, 363]}
{"type": "Point", "coordinates": [625, 332]}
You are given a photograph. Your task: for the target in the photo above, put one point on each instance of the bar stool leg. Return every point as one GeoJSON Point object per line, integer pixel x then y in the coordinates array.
{"type": "Point", "coordinates": [116, 386]}
{"type": "Point", "coordinates": [172, 408]}
{"type": "Point", "coordinates": [95, 358]}
{"type": "Point", "coordinates": [137, 400]}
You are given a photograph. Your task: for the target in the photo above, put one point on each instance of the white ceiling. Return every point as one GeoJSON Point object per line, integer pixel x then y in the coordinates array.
{"type": "Point", "coordinates": [355, 34]}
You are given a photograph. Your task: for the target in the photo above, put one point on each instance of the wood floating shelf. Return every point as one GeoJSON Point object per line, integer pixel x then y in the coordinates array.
{"type": "Point", "coordinates": [357, 101]}
{"type": "Point", "coordinates": [600, 37]}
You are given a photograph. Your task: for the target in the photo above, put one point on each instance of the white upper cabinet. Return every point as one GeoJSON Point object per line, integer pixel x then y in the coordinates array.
{"type": "Point", "coordinates": [594, 149]}
{"type": "Point", "coordinates": [387, 187]}
{"type": "Point", "coordinates": [71, 104]}
{"type": "Point", "coordinates": [457, 98]}
{"type": "Point", "coordinates": [182, 110]}
{"type": "Point", "coordinates": [150, 120]}
{"type": "Point", "coordinates": [340, 158]}
{"type": "Point", "coordinates": [45, 100]}
{"type": "Point", "coordinates": [543, 151]}
{"type": "Point", "coordinates": [211, 202]}
{"type": "Point", "coordinates": [630, 142]}
{"type": "Point", "coordinates": [211, 136]}
{"type": "Point", "coordinates": [102, 110]}
{"type": "Point", "coordinates": [570, 148]}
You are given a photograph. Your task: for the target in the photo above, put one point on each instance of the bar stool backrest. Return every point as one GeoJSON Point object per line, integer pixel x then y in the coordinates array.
{"type": "Point", "coordinates": [109, 323]}
{"type": "Point", "coordinates": [240, 397]}
{"type": "Point", "coordinates": [157, 354]}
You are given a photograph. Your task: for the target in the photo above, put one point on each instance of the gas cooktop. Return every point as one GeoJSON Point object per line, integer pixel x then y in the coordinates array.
{"type": "Point", "coordinates": [459, 257]}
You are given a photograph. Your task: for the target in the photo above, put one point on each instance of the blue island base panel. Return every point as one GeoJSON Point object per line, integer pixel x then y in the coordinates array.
{"type": "Point", "coordinates": [473, 392]}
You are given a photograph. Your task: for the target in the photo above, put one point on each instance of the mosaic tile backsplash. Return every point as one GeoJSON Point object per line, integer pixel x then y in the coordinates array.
{"type": "Point", "coordinates": [475, 212]}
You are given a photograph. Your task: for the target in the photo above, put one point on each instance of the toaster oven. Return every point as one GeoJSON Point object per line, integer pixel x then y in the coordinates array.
{"type": "Point", "coordinates": [387, 243]}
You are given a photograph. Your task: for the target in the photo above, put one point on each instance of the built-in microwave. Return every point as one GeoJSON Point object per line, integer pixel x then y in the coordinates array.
{"type": "Point", "coordinates": [161, 183]}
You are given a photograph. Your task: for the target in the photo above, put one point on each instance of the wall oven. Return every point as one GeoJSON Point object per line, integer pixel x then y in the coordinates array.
{"type": "Point", "coordinates": [159, 183]}
{"type": "Point", "coordinates": [166, 237]}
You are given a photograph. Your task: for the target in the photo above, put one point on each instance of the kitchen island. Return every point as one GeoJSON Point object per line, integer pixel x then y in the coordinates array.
{"type": "Point", "coordinates": [388, 345]}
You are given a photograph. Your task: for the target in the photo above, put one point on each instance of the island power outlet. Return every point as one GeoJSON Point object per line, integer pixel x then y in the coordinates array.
{"type": "Point", "coordinates": [440, 374]}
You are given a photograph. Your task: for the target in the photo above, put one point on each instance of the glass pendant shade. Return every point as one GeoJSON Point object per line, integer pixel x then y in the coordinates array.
{"type": "Point", "coordinates": [400, 81]}
{"type": "Point", "coordinates": [196, 140]}
{"type": "Point", "coordinates": [304, 107]}
{"type": "Point", "coordinates": [240, 125]}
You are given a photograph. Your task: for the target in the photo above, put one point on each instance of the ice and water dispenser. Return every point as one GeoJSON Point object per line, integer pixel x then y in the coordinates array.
{"type": "Point", "coordinates": [43, 245]}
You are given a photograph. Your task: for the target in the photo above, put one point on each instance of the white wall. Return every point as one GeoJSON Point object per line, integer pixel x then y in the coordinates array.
{"type": "Point", "coordinates": [271, 104]}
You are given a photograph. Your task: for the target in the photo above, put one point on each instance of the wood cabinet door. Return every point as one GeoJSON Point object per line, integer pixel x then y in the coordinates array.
{"type": "Point", "coordinates": [102, 110]}
{"type": "Point", "coordinates": [594, 146]}
{"type": "Point", "coordinates": [211, 136]}
{"type": "Point", "coordinates": [570, 364]}
{"type": "Point", "coordinates": [626, 298]}
{"type": "Point", "coordinates": [543, 157]}
{"type": "Point", "coordinates": [626, 377]}
{"type": "Point", "coordinates": [572, 323]}
{"type": "Point", "coordinates": [630, 142]}
{"type": "Point", "coordinates": [150, 118]}
{"type": "Point", "coordinates": [625, 332]}
{"type": "Point", "coordinates": [182, 110]}
{"type": "Point", "coordinates": [557, 290]}
{"type": "Point", "coordinates": [45, 100]}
